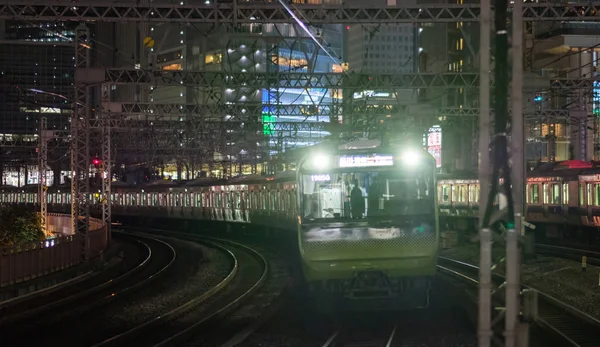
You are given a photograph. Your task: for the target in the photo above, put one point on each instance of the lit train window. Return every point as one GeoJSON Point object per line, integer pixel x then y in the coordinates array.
{"type": "Point", "coordinates": [473, 193]}
{"type": "Point", "coordinates": [445, 193]}
{"type": "Point", "coordinates": [565, 193]}
{"type": "Point", "coordinates": [545, 193]}
{"type": "Point", "coordinates": [588, 188]}
{"type": "Point", "coordinates": [534, 194]}
{"type": "Point", "coordinates": [462, 193]}
{"type": "Point", "coordinates": [596, 194]}
{"type": "Point", "coordinates": [581, 192]}
{"type": "Point", "coordinates": [555, 194]}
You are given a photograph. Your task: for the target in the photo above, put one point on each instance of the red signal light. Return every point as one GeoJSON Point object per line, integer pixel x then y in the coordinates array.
{"type": "Point", "coordinates": [96, 162]}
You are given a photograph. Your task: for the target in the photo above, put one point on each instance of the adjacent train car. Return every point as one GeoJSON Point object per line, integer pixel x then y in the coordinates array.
{"type": "Point", "coordinates": [368, 226]}
{"type": "Point", "coordinates": [563, 201]}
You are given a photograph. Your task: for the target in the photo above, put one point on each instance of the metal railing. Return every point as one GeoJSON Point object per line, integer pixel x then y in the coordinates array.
{"type": "Point", "coordinates": [34, 259]}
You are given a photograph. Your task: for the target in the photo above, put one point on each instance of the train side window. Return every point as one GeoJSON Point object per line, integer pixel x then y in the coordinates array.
{"type": "Point", "coordinates": [596, 194]}
{"type": "Point", "coordinates": [588, 189]}
{"type": "Point", "coordinates": [555, 194]}
{"type": "Point", "coordinates": [581, 191]}
{"type": "Point", "coordinates": [534, 194]}
{"type": "Point", "coordinates": [461, 195]}
{"type": "Point", "coordinates": [565, 193]}
{"type": "Point", "coordinates": [545, 193]}
{"type": "Point", "coordinates": [445, 193]}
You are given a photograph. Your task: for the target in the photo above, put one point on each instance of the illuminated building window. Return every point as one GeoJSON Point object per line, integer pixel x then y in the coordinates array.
{"type": "Point", "coordinates": [172, 67]}
{"type": "Point", "coordinates": [460, 46]}
{"type": "Point", "coordinates": [281, 61]}
{"type": "Point", "coordinates": [213, 58]}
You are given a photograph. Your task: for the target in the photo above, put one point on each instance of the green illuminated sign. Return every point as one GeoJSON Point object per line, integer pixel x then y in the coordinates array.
{"type": "Point", "coordinates": [268, 126]}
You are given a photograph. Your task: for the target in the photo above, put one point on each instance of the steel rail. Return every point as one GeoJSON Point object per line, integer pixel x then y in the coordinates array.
{"type": "Point", "coordinates": [550, 314]}
{"type": "Point", "coordinates": [188, 307]}
{"type": "Point", "coordinates": [37, 310]}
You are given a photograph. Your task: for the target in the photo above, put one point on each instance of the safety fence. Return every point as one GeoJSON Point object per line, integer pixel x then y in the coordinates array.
{"type": "Point", "coordinates": [28, 261]}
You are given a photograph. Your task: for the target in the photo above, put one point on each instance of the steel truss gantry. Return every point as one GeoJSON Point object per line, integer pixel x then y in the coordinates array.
{"type": "Point", "coordinates": [474, 112]}
{"type": "Point", "coordinates": [204, 111]}
{"type": "Point", "coordinates": [259, 12]}
{"type": "Point", "coordinates": [203, 79]}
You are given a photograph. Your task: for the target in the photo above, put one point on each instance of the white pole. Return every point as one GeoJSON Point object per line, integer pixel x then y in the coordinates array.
{"type": "Point", "coordinates": [518, 179]}
{"type": "Point", "coordinates": [484, 329]}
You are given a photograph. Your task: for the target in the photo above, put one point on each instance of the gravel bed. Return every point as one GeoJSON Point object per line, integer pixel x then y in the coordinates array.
{"type": "Point", "coordinates": [444, 340]}
{"type": "Point", "coordinates": [196, 269]}
{"type": "Point", "coordinates": [560, 278]}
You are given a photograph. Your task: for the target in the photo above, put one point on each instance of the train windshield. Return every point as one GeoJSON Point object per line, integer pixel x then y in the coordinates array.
{"type": "Point", "coordinates": [367, 195]}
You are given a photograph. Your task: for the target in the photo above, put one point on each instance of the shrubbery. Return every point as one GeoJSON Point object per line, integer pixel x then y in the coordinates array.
{"type": "Point", "coordinates": [18, 225]}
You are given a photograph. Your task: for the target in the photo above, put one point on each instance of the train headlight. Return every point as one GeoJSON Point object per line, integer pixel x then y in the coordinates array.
{"type": "Point", "coordinates": [320, 161]}
{"type": "Point", "coordinates": [410, 157]}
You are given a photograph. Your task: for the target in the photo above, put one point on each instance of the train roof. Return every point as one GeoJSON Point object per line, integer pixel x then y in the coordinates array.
{"type": "Point", "coordinates": [203, 181]}
{"type": "Point", "coordinates": [361, 144]}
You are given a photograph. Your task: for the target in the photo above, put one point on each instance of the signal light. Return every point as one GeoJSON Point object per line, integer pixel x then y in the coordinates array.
{"type": "Point", "coordinates": [96, 161]}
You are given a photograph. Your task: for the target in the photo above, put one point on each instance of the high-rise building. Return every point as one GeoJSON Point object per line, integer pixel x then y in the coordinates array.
{"type": "Point", "coordinates": [251, 135]}
{"type": "Point", "coordinates": [451, 47]}
{"type": "Point", "coordinates": [36, 80]}
{"type": "Point", "coordinates": [569, 129]}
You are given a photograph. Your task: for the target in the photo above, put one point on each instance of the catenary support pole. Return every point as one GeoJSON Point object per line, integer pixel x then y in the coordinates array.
{"type": "Point", "coordinates": [518, 180]}
{"type": "Point", "coordinates": [105, 163]}
{"type": "Point", "coordinates": [43, 174]}
{"type": "Point", "coordinates": [80, 140]}
{"type": "Point", "coordinates": [485, 310]}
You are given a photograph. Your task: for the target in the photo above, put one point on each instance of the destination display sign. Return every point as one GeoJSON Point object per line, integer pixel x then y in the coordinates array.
{"type": "Point", "coordinates": [320, 178]}
{"type": "Point", "coordinates": [366, 160]}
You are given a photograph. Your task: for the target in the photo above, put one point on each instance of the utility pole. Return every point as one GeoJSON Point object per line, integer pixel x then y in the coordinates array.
{"type": "Point", "coordinates": [484, 329]}
{"type": "Point", "coordinates": [518, 180]}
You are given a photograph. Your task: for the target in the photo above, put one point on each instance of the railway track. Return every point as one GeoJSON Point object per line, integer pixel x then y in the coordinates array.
{"type": "Point", "coordinates": [351, 336]}
{"type": "Point", "coordinates": [201, 313]}
{"type": "Point", "coordinates": [593, 256]}
{"type": "Point", "coordinates": [46, 315]}
{"type": "Point", "coordinates": [98, 290]}
{"type": "Point", "coordinates": [574, 327]}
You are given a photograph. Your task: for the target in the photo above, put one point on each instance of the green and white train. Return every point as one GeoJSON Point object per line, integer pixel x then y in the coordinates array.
{"type": "Point", "coordinates": [381, 246]}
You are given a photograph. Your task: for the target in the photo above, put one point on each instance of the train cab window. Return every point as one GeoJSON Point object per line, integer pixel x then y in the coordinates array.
{"type": "Point", "coordinates": [554, 194]}
{"type": "Point", "coordinates": [534, 194]}
{"type": "Point", "coordinates": [565, 193]}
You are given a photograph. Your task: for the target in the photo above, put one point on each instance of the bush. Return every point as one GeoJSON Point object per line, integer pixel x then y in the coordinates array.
{"type": "Point", "coordinates": [18, 225]}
